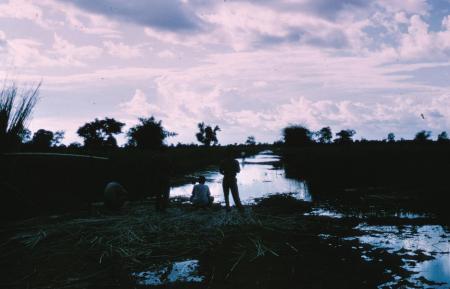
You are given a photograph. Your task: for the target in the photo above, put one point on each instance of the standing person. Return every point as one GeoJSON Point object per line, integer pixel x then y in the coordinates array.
{"type": "Point", "coordinates": [201, 196]}
{"type": "Point", "coordinates": [229, 169]}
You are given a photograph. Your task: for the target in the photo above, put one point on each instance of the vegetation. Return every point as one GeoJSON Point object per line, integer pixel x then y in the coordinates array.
{"type": "Point", "coordinates": [391, 137]}
{"type": "Point", "coordinates": [44, 139]}
{"type": "Point", "coordinates": [422, 136]}
{"type": "Point", "coordinates": [148, 134]}
{"type": "Point", "coordinates": [345, 136]}
{"type": "Point", "coordinates": [297, 135]}
{"type": "Point", "coordinates": [100, 133]}
{"type": "Point", "coordinates": [324, 135]}
{"type": "Point", "coordinates": [16, 108]}
{"type": "Point", "coordinates": [250, 141]}
{"type": "Point", "coordinates": [443, 137]}
{"type": "Point", "coordinates": [207, 135]}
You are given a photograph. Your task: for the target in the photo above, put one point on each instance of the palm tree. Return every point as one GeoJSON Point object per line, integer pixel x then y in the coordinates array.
{"type": "Point", "coordinates": [15, 110]}
{"type": "Point", "coordinates": [207, 134]}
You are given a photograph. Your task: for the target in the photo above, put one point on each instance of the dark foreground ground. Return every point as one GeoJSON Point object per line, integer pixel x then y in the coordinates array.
{"type": "Point", "coordinates": [273, 244]}
{"type": "Point", "coordinates": [68, 180]}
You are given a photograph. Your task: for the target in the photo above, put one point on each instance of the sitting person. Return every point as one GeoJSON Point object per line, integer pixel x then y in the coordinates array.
{"type": "Point", "coordinates": [114, 196]}
{"type": "Point", "coordinates": [201, 196]}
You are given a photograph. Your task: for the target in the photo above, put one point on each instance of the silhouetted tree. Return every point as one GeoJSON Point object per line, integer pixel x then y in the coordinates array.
{"type": "Point", "coordinates": [391, 137]}
{"type": "Point", "coordinates": [345, 136]}
{"type": "Point", "coordinates": [25, 136]}
{"type": "Point", "coordinates": [15, 110]}
{"type": "Point", "coordinates": [100, 133]}
{"type": "Point", "coordinates": [44, 139]}
{"type": "Point", "coordinates": [207, 134]}
{"type": "Point", "coordinates": [324, 135]}
{"type": "Point", "coordinates": [422, 136]}
{"type": "Point", "coordinates": [250, 141]}
{"type": "Point", "coordinates": [443, 137]}
{"type": "Point", "coordinates": [297, 135]}
{"type": "Point", "coordinates": [74, 145]}
{"type": "Point", "coordinates": [148, 134]}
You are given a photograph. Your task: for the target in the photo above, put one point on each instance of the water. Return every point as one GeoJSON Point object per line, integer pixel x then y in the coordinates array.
{"type": "Point", "coordinates": [258, 177]}
{"type": "Point", "coordinates": [425, 250]}
{"type": "Point", "coordinates": [333, 213]}
{"type": "Point", "coordinates": [184, 271]}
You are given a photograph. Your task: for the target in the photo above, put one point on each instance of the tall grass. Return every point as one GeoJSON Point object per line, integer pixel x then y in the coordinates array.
{"type": "Point", "coordinates": [16, 107]}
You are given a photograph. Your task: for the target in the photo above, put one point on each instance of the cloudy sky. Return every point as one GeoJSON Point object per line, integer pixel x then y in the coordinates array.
{"type": "Point", "coordinates": [251, 67]}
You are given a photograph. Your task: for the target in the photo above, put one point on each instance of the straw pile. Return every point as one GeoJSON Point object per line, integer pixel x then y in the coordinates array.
{"type": "Point", "coordinates": [95, 247]}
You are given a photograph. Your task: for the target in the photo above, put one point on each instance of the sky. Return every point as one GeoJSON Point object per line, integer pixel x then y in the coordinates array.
{"type": "Point", "coordinates": [251, 67]}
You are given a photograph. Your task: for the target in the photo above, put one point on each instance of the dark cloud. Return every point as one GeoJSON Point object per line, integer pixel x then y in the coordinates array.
{"type": "Point", "coordinates": [436, 114]}
{"type": "Point", "coordinates": [333, 39]}
{"type": "Point", "coordinates": [171, 15]}
{"type": "Point", "coordinates": [329, 9]}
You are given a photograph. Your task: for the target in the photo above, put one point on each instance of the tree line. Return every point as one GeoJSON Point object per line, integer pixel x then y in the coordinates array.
{"type": "Point", "coordinates": [16, 108]}
{"type": "Point", "coordinates": [299, 135]}
{"type": "Point", "coordinates": [149, 133]}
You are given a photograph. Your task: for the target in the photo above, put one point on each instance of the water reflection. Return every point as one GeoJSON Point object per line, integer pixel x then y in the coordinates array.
{"type": "Point", "coordinates": [425, 250]}
{"type": "Point", "coordinates": [185, 271]}
{"type": "Point", "coordinates": [377, 213]}
{"type": "Point", "coordinates": [259, 176]}
{"type": "Point", "coordinates": [262, 175]}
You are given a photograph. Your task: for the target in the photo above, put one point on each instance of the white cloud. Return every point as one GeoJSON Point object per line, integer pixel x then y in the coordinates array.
{"type": "Point", "coordinates": [24, 10]}
{"type": "Point", "coordinates": [86, 22]}
{"type": "Point", "coordinates": [139, 106]}
{"type": "Point", "coordinates": [419, 43]}
{"type": "Point", "coordinates": [26, 53]}
{"type": "Point", "coordinates": [260, 84]}
{"type": "Point", "coordinates": [167, 54]}
{"type": "Point", "coordinates": [122, 50]}
{"type": "Point", "coordinates": [41, 13]}
{"type": "Point", "coordinates": [250, 66]}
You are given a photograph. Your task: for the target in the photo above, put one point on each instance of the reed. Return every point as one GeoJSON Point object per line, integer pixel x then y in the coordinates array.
{"type": "Point", "coordinates": [16, 107]}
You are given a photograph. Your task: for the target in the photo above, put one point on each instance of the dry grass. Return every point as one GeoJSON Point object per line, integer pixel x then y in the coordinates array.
{"type": "Point", "coordinates": [135, 240]}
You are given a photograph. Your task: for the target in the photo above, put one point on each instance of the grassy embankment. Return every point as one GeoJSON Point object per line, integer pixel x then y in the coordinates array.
{"type": "Point", "coordinates": [398, 175]}
{"type": "Point", "coordinates": [271, 245]}
{"type": "Point", "coordinates": [45, 183]}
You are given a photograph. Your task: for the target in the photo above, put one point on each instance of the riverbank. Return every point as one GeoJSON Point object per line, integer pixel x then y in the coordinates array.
{"type": "Point", "coordinates": [63, 179]}
{"type": "Point", "coordinates": [411, 176]}
{"type": "Point", "coordinates": [272, 244]}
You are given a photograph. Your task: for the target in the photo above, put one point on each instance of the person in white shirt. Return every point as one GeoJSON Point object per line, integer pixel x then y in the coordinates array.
{"type": "Point", "coordinates": [201, 196]}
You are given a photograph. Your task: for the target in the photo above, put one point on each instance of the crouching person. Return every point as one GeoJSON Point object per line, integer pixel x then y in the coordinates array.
{"type": "Point", "coordinates": [114, 196]}
{"type": "Point", "coordinates": [201, 196]}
